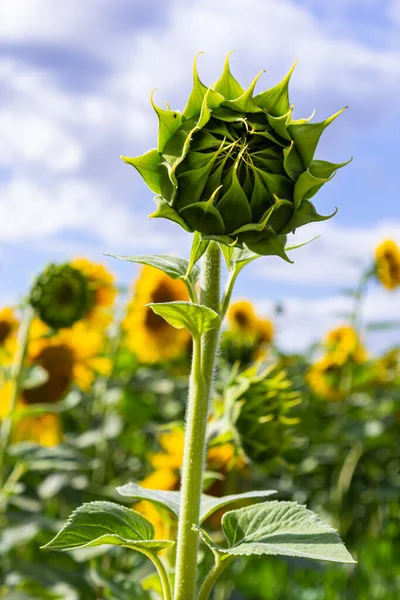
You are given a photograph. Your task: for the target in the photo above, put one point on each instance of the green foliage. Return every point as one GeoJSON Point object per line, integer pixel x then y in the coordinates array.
{"type": "Point", "coordinates": [279, 528]}
{"type": "Point", "coordinates": [100, 523]}
{"type": "Point", "coordinates": [196, 318]}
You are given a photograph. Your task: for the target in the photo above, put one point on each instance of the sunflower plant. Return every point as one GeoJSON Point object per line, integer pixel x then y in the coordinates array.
{"type": "Point", "coordinates": [237, 171]}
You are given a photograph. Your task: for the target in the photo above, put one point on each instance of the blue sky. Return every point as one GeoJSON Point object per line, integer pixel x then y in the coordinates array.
{"type": "Point", "coordinates": [75, 80]}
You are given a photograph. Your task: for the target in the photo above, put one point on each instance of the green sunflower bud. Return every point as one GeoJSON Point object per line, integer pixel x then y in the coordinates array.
{"type": "Point", "coordinates": [235, 166]}
{"type": "Point", "coordinates": [60, 295]}
{"type": "Point", "coordinates": [259, 405]}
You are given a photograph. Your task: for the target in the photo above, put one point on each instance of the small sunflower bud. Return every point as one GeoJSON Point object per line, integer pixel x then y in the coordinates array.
{"type": "Point", "coordinates": [60, 295]}
{"type": "Point", "coordinates": [237, 167]}
{"type": "Point", "coordinates": [261, 412]}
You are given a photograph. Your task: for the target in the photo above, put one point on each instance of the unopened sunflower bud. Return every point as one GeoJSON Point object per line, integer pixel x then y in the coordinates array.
{"type": "Point", "coordinates": [237, 167]}
{"type": "Point", "coordinates": [60, 295]}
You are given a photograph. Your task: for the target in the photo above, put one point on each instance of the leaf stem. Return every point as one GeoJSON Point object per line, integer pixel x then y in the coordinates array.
{"type": "Point", "coordinates": [17, 376]}
{"type": "Point", "coordinates": [203, 365]}
{"type": "Point", "coordinates": [213, 576]}
{"type": "Point", "coordinates": [162, 572]}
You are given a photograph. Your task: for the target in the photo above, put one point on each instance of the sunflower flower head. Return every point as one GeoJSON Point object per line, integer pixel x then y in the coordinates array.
{"type": "Point", "coordinates": [8, 329]}
{"type": "Point", "coordinates": [102, 290]}
{"type": "Point", "coordinates": [343, 345]}
{"type": "Point", "coordinates": [148, 335]}
{"type": "Point", "coordinates": [60, 295]}
{"type": "Point", "coordinates": [73, 355]}
{"type": "Point", "coordinates": [387, 264]}
{"type": "Point", "coordinates": [247, 336]}
{"type": "Point", "coordinates": [324, 378]}
{"type": "Point", "coordinates": [258, 403]}
{"type": "Point", "coordinates": [235, 166]}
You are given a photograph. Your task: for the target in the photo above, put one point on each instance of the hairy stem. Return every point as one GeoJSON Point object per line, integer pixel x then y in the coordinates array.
{"type": "Point", "coordinates": [203, 365]}
{"type": "Point", "coordinates": [162, 573]}
{"type": "Point", "coordinates": [17, 375]}
{"type": "Point", "coordinates": [213, 576]}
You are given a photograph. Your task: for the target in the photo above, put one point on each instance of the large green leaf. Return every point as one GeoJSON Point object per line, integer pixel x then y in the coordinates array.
{"type": "Point", "coordinates": [97, 523]}
{"type": "Point", "coordinates": [279, 528]}
{"type": "Point", "coordinates": [170, 501]}
{"type": "Point", "coordinates": [173, 266]}
{"type": "Point", "coordinates": [167, 500]}
{"type": "Point", "coordinates": [196, 318]}
{"type": "Point", "coordinates": [210, 504]}
{"type": "Point", "coordinates": [169, 122]}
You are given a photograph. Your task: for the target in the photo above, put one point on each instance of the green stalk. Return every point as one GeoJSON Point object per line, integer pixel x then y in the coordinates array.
{"type": "Point", "coordinates": [203, 365]}
{"type": "Point", "coordinates": [17, 373]}
{"type": "Point", "coordinates": [213, 576]}
{"type": "Point", "coordinates": [162, 573]}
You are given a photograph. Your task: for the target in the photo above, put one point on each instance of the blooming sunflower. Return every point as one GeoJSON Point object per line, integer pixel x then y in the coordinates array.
{"type": "Point", "coordinates": [148, 335]}
{"type": "Point", "coordinates": [323, 377]}
{"type": "Point", "coordinates": [8, 328]}
{"type": "Point", "coordinates": [103, 291]}
{"type": "Point", "coordinates": [343, 344]}
{"type": "Point", "coordinates": [72, 355]}
{"type": "Point", "coordinates": [387, 262]}
{"type": "Point", "coordinates": [44, 429]}
{"type": "Point", "coordinates": [248, 334]}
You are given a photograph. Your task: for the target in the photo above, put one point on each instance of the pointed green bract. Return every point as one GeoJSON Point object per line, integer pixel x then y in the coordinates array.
{"type": "Point", "coordinates": [169, 122]}
{"type": "Point", "coordinates": [227, 85]}
{"type": "Point", "coordinates": [276, 100]}
{"type": "Point", "coordinates": [306, 136]}
{"type": "Point", "coordinates": [233, 156]}
{"type": "Point", "coordinates": [195, 101]}
{"type": "Point", "coordinates": [147, 165]}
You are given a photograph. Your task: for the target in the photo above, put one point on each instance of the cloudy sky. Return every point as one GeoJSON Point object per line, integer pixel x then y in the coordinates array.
{"type": "Point", "coordinates": [75, 79]}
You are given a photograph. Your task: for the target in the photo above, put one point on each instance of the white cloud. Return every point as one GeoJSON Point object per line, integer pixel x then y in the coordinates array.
{"type": "Point", "coordinates": [336, 258]}
{"type": "Point", "coordinates": [306, 320]}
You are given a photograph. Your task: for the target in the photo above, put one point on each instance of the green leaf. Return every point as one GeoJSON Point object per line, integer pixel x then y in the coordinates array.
{"type": "Point", "coordinates": [204, 217]}
{"type": "Point", "coordinates": [169, 123]}
{"type": "Point", "coordinates": [292, 162]}
{"type": "Point", "coordinates": [234, 206]}
{"type": "Point", "coordinates": [301, 244]}
{"type": "Point", "coordinates": [195, 101]}
{"type": "Point", "coordinates": [210, 504]}
{"type": "Point", "coordinates": [227, 84]}
{"type": "Point", "coordinates": [147, 165]}
{"type": "Point", "coordinates": [305, 186]}
{"type": "Point", "coordinates": [196, 318]}
{"type": "Point", "coordinates": [323, 168]}
{"type": "Point", "coordinates": [279, 124]}
{"type": "Point", "coordinates": [173, 266]}
{"type": "Point", "coordinates": [276, 100]}
{"type": "Point", "coordinates": [199, 246]}
{"type": "Point", "coordinates": [170, 501]}
{"type": "Point", "coordinates": [165, 211]}
{"type": "Point", "coordinates": [97, 523]}
{"type": "Point", "coordinates": [274, 246]}
{"type": "Point", "coordinates": [306, 213]}
{"type": "Point", "coordinates": [306, 136]}
{"type": "Point", "coordinates": [279, 528]}
{"type": "Point", "coordinates": [245, 102]}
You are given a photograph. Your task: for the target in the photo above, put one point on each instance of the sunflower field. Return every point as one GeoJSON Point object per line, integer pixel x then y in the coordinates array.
{"type": "Point", "coordinates": [100, 402]}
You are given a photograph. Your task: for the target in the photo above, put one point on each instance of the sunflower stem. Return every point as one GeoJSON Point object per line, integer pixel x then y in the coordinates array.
{"type": "Point", "coordinates": [17, 378]}
{"type": "Point", "coordinates": [203, 366]}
